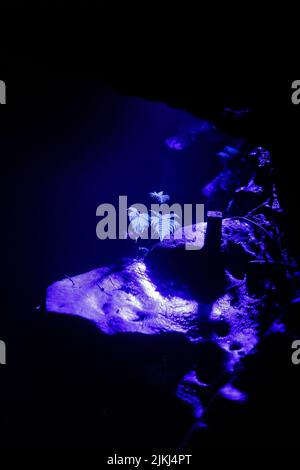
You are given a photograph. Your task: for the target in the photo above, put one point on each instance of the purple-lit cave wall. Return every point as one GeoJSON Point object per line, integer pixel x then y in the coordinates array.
{"type": "Point", "coordinates": [218, 299]}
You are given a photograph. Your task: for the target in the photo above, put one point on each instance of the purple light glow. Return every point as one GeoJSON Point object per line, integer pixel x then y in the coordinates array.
{"type": "Point", "coordinates": [231, 393]}
{"type": "Point", "coordinates": [125, 301]}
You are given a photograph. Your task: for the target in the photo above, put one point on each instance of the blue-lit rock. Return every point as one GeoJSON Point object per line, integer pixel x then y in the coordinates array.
{"type": "Point", "coordinates": [221, 303]}
{"type": "Point", "coordinates": [122, 300]}
{"type": "Point", "coordinates": [130, 299]}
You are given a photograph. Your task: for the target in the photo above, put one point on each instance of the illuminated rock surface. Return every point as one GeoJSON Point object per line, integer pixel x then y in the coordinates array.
{"type": "Point", "coordinates": [223, 328]}
{"type": "Point", "coordinates": [221, 303]}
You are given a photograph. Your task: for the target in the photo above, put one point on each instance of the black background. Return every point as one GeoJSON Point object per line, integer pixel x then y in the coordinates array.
{"type": "Point", "coordinates": [55, 398]}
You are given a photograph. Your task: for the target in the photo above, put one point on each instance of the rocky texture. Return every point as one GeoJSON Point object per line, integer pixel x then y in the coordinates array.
{"type": "Point", "coordinates": [122, 300]}
{"type": "Point", "coordinates": [222, 301]}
